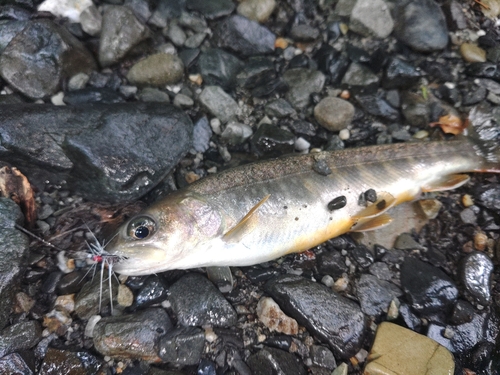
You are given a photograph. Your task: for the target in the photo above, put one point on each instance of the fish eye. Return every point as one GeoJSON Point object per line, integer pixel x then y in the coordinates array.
{"type": "Point", "coordinates": [141, 227]}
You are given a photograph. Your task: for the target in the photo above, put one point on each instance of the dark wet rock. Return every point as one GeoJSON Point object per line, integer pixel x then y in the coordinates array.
{"type": "Point", "coordinates": [189, 56]}
{"type": "Point", "coordinates": [437, 71]}
{"type": "Point", "coordinates": [322, 357]}
{"type": "Point", "coordinates": [92, 95]}
{"type": "Point", "coordinates": [8, 30]}
{"type": "Point", "coordinates": [331, 62]}
{"type": "Point", "coordinates": [304, 33]}
{"type": "Point", "coordinates": [488, 84]}
{"type": "Point", "coordinates": [479, 358]}
{"type": "Point", "coordinates": [197, 302]}
{"type": "Point", "coordinates": [302, 128]}
{"type": "Point", "coordinates": [271, 140]}
{"type": "Point", "coordinates": [94, 296]}
{"type": "Point", "coordinates": [182, 346]}
{"type": "Point", "coordinates": [271, 360]}
{"type": "Point", "coordinates": [113, 335]}
{"type": "Point", "coordinates": [466, 336]}
{"type": "Point", "coordinates": [218, 103]}
{"type": "Point", "coordinates": [152, 291]}
{"type": "Point", "coordinates": [411, 320]}
{"type": "Point", "coordinates": [256, 71]}
{"type": "Point", "coordinates": [333, 113]}
{"type": "Point", "coordinates": [357, 54]}
{"type": "Point", "coordinates": [332, 263]}
{"type": "Point", "coordinates": [360, 79]}
{"type": "Point", "coordinates": [475, 275]}
{"type": "Point", "coordinates": [13, 12]}
{"type": "Point", "coordinates": [299, 61]}
{"type": "Point", "coordinates": [371, 18]}
{"type": "Point", "coordinates": [302, 83]}
{"type": "Point", "coordinates": [377, 106]}
{"type": "Point", "coordinates": [14, 247]}
{"type": "Point", "coordinates": [428, 289]}
{"type": "Point", "coordinates": [121, 31]}
{"type": "Point", "coordinates": [211, 9]}
{"type": "Point", "coordinates": [362, 256]}
{"type": "Point", "coordinates": [15, 364]}
{"type": "Point", "coordinates": [58, 362]}
{"type": "Point", "coordinates": [201, 135]}
{"type": "Point", "coordinates": [415, 109]}
{"type": "Point", "coordinates": [375, 295]}
{"type": "Point", "coordinates": [152, 95]}
{"type": "Point", "coordinates": [86, 138]}
{"type": "Point", "coordinates": [463, 312]}
{"type": "Point", "coordinates": [50, 283]}
{"type": "Point", "coordinates": [242, 36]}
{"type": "Point", "coordinates": [157, 70]}
{"type": "Point", "coordinates": [20, 336]}
{"type": "Point", "coordinates": [329, 316]}
{"type": "Point", "coordinates": [46, 54]}
{"type": "Point", "coordinates": [279, 108]}
{"type": "Point", "coordinates": [206, 367]}
{"type": "Point", "coordinates": [381, 271]}
{"type": "Point", "coordinates": [421, 25]}
{"type": "Point", "coordinates": [449, 94]}
{"type": "Point", "coordinates": [491, 198]}
{"type": "Point", "coordinates": [71, 283]}
{"type": "Point", "coordinates": [334, 143]}
{"type": "Point", "coordinates": [236, 133]}
{"type": "Point", "coordinates": [257, 275]}
{"type": "Point", "coordinates": [400, 75]}
{"type": "Point", "coordinates": [271, 86]}
{"type": "Point", "coordinates": [219, 68]}
{"type": "Point", "coordinates": [483, 70]}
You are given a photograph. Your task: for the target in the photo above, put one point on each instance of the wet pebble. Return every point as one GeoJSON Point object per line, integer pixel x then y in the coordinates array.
{"type": "Point", "coordinates": [92, 95]}
{"type": "Point", "coordinates": [371, 18]}
{"type": "Point", "coordinates": [375, 295]}
{"type": "Point", "coordinates": [236, 133]}
{"type": "Point", "coordinates": [69, 362]}
{"type": "Point", "coordinates": [256, 10]}
{"type": "Point", "coordinates": [219, 103]}
{"type": "Point", "coordinates": [472, 53]}
{"type": "Point", "coordinates": [91, 20]}
{"type": "Point", "coordinates": [463, 312]}
{"type": "Point", "coordinates": [20, 336]}
{"type": "Point", "coordinates": [334, 114]}
{"type": "Point", "coordinates": [156, 70]}
{"type": "Point", "coordinates": [476, 272]}
{"type": "Point", "coordinates": [197, 302]}
{"type": "Point", "coordinates": [271, 360]}
{"type": "Point", "coordinates": [152, 291]}
{"type": "Point", "coordinates": [87, 300]}
{"type": "Point", "coordinates": [218, 67]}
{"type": "Point", "coordinates": [421, 25]}
{"type": "Point", "coordinates": [302, 83]}
{"type": "Point", "coordinates": [15, 364]}
{"type": "Point", "coordinates": [428, 289]}
{"type": "Point", "coordinates": [400, 74]}
{"type": "Point", "coordinates": [326, 314]}
{"type": "Point", "coordinates": [182, 346]}
{"type": "Point", "coordinates": [113, 335]}
{"type": "Point", "coordinates": [359, 78]}
{"type": "Point", "coordinates": [279, 108]}
{"type": "Point", "coordinates": [271, 140]}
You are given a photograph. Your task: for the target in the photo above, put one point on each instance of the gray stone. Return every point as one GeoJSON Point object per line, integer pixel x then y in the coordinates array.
{"type": "Point", "coordinates": [87, 300]}
{"type": "Point", "coordinates": [149, 94]}
{"type": "Point", "coordinates": [182, 346]}
{"type": "Point", "coordinates": [46, 54]}
{"type": "Point", "coordinates": [218, 67]}
{"type": "Point", "coordinates": [360, 78]}
{"type": "Point", "coordinates": [157, 70]}
{"type": "Point", "coordinates": [197, 302]}
{"type": "Point", "coordinates": [176, 34]}
{"type": "Point", "coordinates": [371, 18]}
{"type": "Point", "coordinates": [415, 110]}
{"type": "Point", "coordinates": [218, 103]}
{"type": "Point", "coordinates": [476, 276]}
{"type": "Point", "coordinates": [236, 133]}
{"type": "Point", "coordinates": [326, 314]}
{"type": "Point", "coordinates": [201, 135]}
{"type": "Point", "coordinates": [421, 25]}
{"type": "Point", "coordinates": [91, 20]}
{"type": "Point", "coordinates": [344, 7]}
{"type": "Point", "coordinates": [333, 113]}
{"type": "Point", "coordinates": [121, 31]}
{"type": "Point", "coordinates": [211, 9]}
{"type": "Point", "coordinates": [375, 295]}
{"type": "Point", "coordinates": [99, 149]}
{"type": "Point", "coordinates": [183, 101]}
{"type": "Point", "coordinates": [8, 30]}
{"type": "Point", "coordinates": [114, 335]}
{"type": "Point", "coordinates": [256, 10]}
{"type": "Point", "coordinates": [20, 336]}
{"type": "Point", "coordinates": [14, 364]}
{"type": "Point", "coordinates": [13, 248]}
{"type": "Point", "coordinates": [302, 82]}
{"type": "Point", "coordinates": [275, 361]}
{"type": "Point", "coordinates": [195, 40]}
{"type": "Point", "coordinates": [243, 36]}
{"type": "Point", "coordinates": [279, 108]}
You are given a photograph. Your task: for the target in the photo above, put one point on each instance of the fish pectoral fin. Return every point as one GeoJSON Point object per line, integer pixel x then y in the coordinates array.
{"type": "Point", "coordinates": [384, 201]}
{"type": "Point", "coordinates": [365, 225]}
{"type": "Point", "coordinates": [245, 225]}
{"type": "Point", "coordinates": [446, 183]}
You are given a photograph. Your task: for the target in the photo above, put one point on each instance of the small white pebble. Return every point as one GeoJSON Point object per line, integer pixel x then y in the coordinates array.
{"type": "Point", "coordinates": [57, 99]}
{"type": "Point", "coordinates": [62, 262]}
{"type": "Point", "coordinates": [215, 125]}
{"type": "Point", "coordinates": [344, 134]}
{"type": "Point", "coordinates": [361, 355]}
{"type": "Point", "coordinates": [210, 335]}
{"type": "Point", "coordinates": [328, 281]}
{"type": "Point", "coordinates": [448, 332]}
{"type": "Point", "coordinates": [301, 144]}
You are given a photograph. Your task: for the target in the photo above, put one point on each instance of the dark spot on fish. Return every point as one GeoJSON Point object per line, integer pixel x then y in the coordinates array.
{"type": "Point", "coordinates": [285, 207]}
{"type": "Point", "coordinates": [371, 195]}
{"type": "Point", "coordinates": [321, 167]}
{"type": "Point", "coordinates": [381, 205]}
{"type": "Point", "coordinates": [337, 203]}
{"type": "Point", "coordinates": [362, 200]}
{"type": "Point", "coordinates": [305, 205]}
{"type": "Point", "coordinates": [296, 219]}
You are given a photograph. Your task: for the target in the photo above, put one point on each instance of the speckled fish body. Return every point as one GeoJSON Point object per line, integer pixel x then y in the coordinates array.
{"type": "Point", "coordinates": [261, 211]}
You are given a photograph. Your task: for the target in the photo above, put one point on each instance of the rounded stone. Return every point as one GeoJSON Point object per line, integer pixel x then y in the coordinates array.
{"type": "Point", "coordinates": [157, 70]}
{"type": "Point", "coordinates": [334, 114]}
{"type": "Point", "coordinates": [472, 53]}
{"type": "Point", "coordinates": [256, 10]}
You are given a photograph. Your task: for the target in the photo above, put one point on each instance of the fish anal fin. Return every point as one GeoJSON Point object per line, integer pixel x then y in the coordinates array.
{"type": "Point", "coordinates": [372, 223]}
{"type": "Point", "coordinates": [245, 225]}
{"type": "Point", "coordinates": [384, 201]}
{"type": "Point", "coordinates": [446, 183]}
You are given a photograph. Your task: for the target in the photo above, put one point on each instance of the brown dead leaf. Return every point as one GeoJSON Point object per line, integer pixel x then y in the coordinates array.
{"type": "Point", "coordinates": [14, 185]}
{"type": "Point", "coordinates": [450, 124]}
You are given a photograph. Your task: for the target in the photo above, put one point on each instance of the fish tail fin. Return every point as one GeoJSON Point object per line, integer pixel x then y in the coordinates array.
{"type": "Point", "coordinates": [484, 134]}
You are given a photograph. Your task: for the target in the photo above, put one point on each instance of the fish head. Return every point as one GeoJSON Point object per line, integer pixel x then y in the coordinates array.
{"type": "Point", "coordinates": [167, 235]}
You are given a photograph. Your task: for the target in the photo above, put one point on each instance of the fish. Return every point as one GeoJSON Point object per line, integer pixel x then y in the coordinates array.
{"type": "Point", "coordinates": [258, 212]}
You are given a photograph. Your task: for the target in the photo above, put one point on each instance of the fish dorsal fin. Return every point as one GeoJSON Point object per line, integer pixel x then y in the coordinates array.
{"type": "Point", "coordinates": [371, 224]}
{"type": "Point", "coordinates": [446, 183]}
{"type": "Point", "coordinates": [384, 201]}
{"type": "Point", "coordinates": [245, 225]}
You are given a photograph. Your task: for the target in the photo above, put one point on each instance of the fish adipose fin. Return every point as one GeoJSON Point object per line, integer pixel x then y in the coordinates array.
{"type": "Point", "coordinates": [446, 183]}
{"type": "Point", "coordinates": [384, 201]}
{"type": "Point", "coordinates": [371, 224]}
{"type": "Point", "coordinates": [245, 225]}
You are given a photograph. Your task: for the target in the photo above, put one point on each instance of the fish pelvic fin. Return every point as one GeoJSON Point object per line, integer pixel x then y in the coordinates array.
{"type": "Point", "coordinates": [245, 225]}
{"type": "Point", "coordinates": [384, 201]}
{"type": "Point", "coordinates": [449, 182]}
{"type": "Point", "coordinates": [366, 225]}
